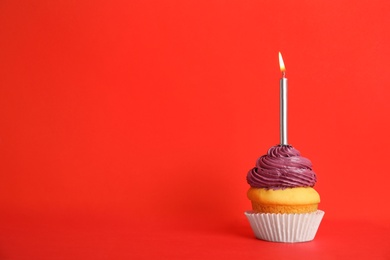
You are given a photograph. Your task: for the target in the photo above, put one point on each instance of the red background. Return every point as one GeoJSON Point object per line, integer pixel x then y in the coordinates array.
{"type": "Point", "coordinates": [128, 127]}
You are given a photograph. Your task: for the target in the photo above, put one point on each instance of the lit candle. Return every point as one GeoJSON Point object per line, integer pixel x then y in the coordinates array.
{"type": "Point", "coordinates": [283, 103]}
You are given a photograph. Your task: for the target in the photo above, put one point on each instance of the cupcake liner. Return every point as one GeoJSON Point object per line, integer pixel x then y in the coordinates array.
{"type": "Point", "coordinates": [288, 228]}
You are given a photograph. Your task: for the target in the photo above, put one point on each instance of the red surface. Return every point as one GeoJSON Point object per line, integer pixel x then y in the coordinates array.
{"type": "Point", "coordinates": [81, 236]}
{"type": "Point", "coordinates": [128, 127]}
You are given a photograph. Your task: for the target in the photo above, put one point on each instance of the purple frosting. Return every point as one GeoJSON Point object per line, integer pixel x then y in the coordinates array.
{"type": "Point", "coordinates": [282, 167]}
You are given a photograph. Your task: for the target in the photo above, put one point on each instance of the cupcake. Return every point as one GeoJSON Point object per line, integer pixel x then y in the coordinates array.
{"type": "Point", "coordinates": [284, 202]}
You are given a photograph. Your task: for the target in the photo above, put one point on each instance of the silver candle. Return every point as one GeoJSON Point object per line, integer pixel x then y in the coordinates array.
{"type": "Point", "coordinates": [283, 103]}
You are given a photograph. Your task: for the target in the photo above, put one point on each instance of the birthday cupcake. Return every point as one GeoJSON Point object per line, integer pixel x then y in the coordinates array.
{"type": "Point", "coordinates": [284, 203]}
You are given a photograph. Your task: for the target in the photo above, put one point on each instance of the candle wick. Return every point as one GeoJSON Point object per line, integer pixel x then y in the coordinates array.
{"type": "Point", "coordinates": [283, 74]}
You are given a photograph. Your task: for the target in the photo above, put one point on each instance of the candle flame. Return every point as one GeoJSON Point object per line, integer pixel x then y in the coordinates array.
{"type": "Point", "coordinates": [281, 63]}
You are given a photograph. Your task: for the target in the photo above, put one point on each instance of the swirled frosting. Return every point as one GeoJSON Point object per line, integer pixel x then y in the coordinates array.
{"type": "Point", "coordinates": [282, 167]}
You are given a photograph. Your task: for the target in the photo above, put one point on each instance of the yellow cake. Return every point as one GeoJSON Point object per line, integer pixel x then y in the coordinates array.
{"type": "Point", "coordinates": [289, 200]}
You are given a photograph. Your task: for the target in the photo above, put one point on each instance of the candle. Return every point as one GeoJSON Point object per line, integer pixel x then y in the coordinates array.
{"type": "Point", "coordinates": [283, 103]}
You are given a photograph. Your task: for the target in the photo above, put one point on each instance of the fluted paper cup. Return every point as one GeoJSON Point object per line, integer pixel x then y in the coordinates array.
{"type": "Point", "coordinates": [288, 228]}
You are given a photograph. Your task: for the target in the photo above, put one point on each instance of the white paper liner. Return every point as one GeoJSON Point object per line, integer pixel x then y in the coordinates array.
{"type": "Point", "coordinates": [289, 228]}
